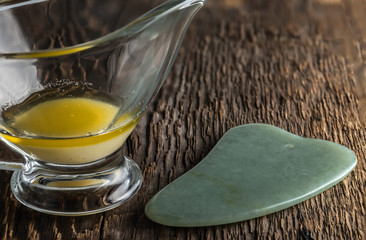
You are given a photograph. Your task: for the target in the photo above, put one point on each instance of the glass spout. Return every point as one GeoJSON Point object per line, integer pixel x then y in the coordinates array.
{"type": "Point", "coordinates": [153, 49]}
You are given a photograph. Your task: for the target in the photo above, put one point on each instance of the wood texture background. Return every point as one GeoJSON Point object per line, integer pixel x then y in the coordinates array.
{"type": "Point", "coordinates": [295, 64]}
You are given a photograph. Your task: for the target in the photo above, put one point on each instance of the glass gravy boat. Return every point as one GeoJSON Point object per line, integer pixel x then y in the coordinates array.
{"type": "Point", "coordinates": [75, 78]}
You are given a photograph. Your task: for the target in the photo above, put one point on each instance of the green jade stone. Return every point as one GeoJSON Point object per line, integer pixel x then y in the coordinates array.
{"type": "Point", "coordinates": [254, 170]}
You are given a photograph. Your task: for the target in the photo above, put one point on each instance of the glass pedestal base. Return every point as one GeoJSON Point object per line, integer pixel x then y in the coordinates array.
{"type": "Point", "coordinates": [77, 190]}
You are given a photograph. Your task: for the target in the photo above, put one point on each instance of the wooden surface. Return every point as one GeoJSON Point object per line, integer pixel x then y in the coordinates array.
{"type": "Point", "coordinates": [295, 64]}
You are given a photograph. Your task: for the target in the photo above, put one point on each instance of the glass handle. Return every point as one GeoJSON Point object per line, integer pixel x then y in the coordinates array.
{"type": "Point", "coordinates": [11, 164]}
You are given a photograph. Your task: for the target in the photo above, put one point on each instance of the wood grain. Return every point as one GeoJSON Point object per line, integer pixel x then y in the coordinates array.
{"type": "Point", "coordinates": [241, 62]}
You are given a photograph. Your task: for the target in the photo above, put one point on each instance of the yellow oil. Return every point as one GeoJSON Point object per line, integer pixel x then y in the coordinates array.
{"type": "Point", "coordinates": [70, 130]}
{"type": "Point", "coordinates": [66, 117]}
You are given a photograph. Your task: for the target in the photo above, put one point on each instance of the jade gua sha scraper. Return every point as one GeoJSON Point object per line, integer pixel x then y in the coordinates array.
{"type": "Point", "coordinates": [254, 170]}
{"type": "Point", "coordinates": [75, 78]}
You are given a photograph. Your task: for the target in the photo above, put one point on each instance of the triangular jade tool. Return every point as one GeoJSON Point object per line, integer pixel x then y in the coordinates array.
{"type": "Point", "coordinates": [254, 170]}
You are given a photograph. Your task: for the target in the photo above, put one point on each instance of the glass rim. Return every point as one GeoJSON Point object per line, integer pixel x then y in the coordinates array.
{"type": "Point", "coordinates": [128, 30]}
